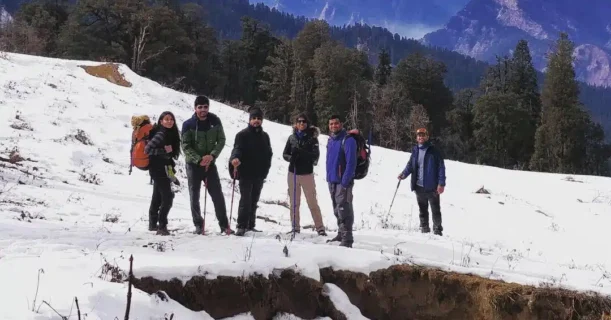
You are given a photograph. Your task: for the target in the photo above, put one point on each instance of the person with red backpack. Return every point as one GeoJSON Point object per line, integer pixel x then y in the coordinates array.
{"type": "Point", "coordinates": [341, 168]}
{"type": "Point", "coordinates": [163, 148]}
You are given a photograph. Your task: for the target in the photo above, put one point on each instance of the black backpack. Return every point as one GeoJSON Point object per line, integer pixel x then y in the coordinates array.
{"type": "Point", "coordinates": [363, 154]}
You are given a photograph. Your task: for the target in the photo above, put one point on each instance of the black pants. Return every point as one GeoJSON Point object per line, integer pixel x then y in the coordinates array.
{"type": "Point", "coordinates": [161, 202]}
{"type": "Point", "coordinates": [197, 174]}
{"type": "Point", "coordinates": [250, 191]}
{"type": "Point", "coordinates": [424, 198]}
{"type": "Point", "coordinates": [342, 209]}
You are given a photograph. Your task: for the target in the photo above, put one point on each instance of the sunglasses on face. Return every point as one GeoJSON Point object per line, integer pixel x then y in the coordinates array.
{"type": "Point", "coordinates": [301, 121]}
{"type": "Point", "coordinates": [202, 107]}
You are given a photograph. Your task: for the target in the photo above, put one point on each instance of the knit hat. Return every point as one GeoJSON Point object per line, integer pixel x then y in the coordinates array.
{"type": "Point", "coordinates": [255, 112]}
{"type": "Point", "coordinates": [303, 116]}
{"type": "Point", "coordinates": [201, 100]}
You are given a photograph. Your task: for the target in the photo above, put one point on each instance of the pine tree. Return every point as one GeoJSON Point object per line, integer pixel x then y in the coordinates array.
{"type": "Point", "coordinates": [499, 123]}
{"type": "Point", "coordinates": [277, 82]}
{"type": "Point", "coordinates": [421, 79]}
{"type": "Point", "coordinates": [457, 138]}
{"type": "Point", "coordinates": [502, 126]}
{"type": "Point", "coordinates": [523, 83]}
{"type": "Point", "coordinates": [383, 70]}
{"type": "Point", "coordinates": [313, 36]}
{"type": "Point", "coordinates": [560, 141]}
{"type": "Point", "coordinates": [257, 44]}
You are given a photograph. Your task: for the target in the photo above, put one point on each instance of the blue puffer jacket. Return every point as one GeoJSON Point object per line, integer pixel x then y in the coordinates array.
{"type": "Point", "coordinates": [341, 167]}
{"type": "Point", "coordinates": [434, 169]}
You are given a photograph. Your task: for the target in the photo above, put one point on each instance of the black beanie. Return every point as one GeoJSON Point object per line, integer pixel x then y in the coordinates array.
{"type": "Point", "coordinates": [201, 100]}
{"type": "Point", "coordinates": [255, 112]}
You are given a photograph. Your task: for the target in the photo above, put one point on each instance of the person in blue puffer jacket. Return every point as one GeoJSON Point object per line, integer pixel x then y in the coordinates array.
{"type": "Point", "coordinates": [340, 177]}
{"type": "Point", "coordinates": [428, 172]}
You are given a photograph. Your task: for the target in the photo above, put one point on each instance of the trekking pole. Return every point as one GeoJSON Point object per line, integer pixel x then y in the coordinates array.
{"type": "Point", "coordinates": [393, 197]}
{"type": "Point", "coordinates": [294, 200]}
{"type": "Point", "coordinates": [205, 200]}
{"type": "Point", "coordinates": [235, 172]}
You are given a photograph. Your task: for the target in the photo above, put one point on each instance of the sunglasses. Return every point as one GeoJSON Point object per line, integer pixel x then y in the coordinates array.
{"type": "Point", "coordinates": [301, 121]}
{"type": "Point", "coordinates": [256, 118]}
{"type": "Point", "coordinates": [202, 107]}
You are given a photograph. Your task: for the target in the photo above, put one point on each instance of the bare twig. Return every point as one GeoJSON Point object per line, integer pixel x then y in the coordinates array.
{"type": "Point", "coordinates": [78, 310]}
{"type": "Point", "coordinates": [37, 285]}
{"type": "Point", "coordinates": [129, 287]}
{"type": "Point", "coordinates": [61, 316]}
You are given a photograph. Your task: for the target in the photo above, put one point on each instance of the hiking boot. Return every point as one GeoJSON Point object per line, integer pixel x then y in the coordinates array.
{"type": "Point", "coordinates": [225, 231]}
{"type": "Point", "coordinates": [198, 230]}
{"type": "Point", "coordinates": [240, 232]}
{"type": "Point", "coordinates": [425, 229]}
{"type": "Point", "coordinates": [346, 244]}
{"type": "Point", "coordinates": [438, 232]}
{"type": "Point", "coordinates": [322, 233]}
{"type": "Point", "coordinates": [338, 237]}
{"type": "Point", "coordinates": [152, 228]}
{"type": "Point", "coordinates": [163, 231]}
{"type": "Point", "coordinates": [296, 231]}
{"type": "Point", "coordinates": [253, 229]}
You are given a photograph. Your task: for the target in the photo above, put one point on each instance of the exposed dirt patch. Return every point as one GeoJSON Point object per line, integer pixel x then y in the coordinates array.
{"type": "Point", "coordinates": [108, 71]}
{"type": "Point", "coordinates": [408, 292]}
{"type": "Point", "coordinates": [225, 297]}
{"type": "Point", "coordinates": [400, 292]}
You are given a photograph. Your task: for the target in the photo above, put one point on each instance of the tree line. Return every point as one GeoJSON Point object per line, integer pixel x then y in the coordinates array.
{"type": "Point", "coordinates": [507, 121]}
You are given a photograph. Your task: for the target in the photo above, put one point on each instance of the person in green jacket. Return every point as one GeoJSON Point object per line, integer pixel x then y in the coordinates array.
{"type": "Point", "coordinates": [203, 139]}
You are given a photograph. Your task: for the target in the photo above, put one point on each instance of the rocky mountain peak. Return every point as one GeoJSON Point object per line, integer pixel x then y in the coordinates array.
{"type": "Point", "coordinates": [486, 28]}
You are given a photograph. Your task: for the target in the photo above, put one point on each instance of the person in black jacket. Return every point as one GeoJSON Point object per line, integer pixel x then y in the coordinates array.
{"type": "Point", "coordinates": [250, 161]}
{"type": "Point", "coordinates": [162, 149]}
{"type": "Point", "coordinates": [302, 153]}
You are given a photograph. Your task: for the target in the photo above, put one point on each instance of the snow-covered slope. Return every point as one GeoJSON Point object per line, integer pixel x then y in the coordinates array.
{"type": "Point", "coordinates": [70, 206]}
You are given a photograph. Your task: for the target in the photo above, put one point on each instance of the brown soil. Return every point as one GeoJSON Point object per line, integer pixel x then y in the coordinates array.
{"type": "Point", "coordinates": [400, 292]}
{"type": "Point", "coordinates": [225, 297]}
{"type": "Point", "coordinates": [108, 71]}
{"type": "Point", "coordinates": [408, 292]}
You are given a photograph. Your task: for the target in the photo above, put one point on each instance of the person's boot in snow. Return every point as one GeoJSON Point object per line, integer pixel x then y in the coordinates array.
{"type": "Point", "coordinates": [338, 237]}
{"type": "Point", "coordinates": [163, 231]}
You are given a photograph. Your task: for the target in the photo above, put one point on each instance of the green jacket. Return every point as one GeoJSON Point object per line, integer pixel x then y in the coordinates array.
{"type": "Point", "coordinates": [200, 138]}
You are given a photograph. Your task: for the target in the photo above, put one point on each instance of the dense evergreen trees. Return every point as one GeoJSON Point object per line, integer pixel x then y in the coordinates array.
{"type": "Point", "coordinates": [385, 85]}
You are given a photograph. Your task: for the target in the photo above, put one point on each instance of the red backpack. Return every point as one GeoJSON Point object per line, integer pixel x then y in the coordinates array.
{"type": "Point", "coordinates": [140, 137]}
{"type": "Point", "coordinates": [363, 153]}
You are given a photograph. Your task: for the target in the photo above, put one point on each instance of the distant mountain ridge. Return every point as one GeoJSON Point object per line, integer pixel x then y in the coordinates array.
{"type": "Point", "coordinates": [485, 28]}
{"type": "Point", "coordinates": [409, 18]}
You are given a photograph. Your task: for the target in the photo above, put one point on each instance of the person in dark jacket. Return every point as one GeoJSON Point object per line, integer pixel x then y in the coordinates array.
{"type": "Point", "coordinates": [163, 149]}
{"type": "Point", "coordinates": [203, 139]}
{"type": "Point", "coordinates": [250, 162]}
{"type": "Point", "coordinates": [428, 171]}
{"type": "Point", "coordinates": [340, 176]}
{"type": "Point", "coordinates": [302, 153]}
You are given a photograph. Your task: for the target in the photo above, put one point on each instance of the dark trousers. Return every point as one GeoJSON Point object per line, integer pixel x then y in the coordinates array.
{"type": "Point", "coordinates": [250, 191]}
{"type": "Point", "coordinates": [424, 198]}
{"type": "Point", "coordinates": [161, 202]}
{"type": "Point", "coordinates": [197, 174]}
{"type": "Point", "coordinates": [342, 209]}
